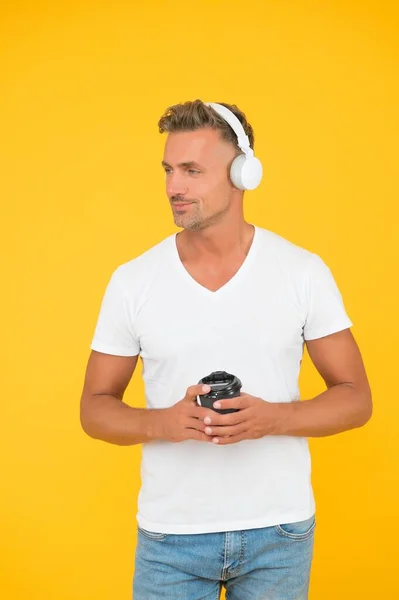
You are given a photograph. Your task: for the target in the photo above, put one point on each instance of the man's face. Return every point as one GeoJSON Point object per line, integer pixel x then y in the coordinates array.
{"type": "Point", "coordinates": [197, 165]}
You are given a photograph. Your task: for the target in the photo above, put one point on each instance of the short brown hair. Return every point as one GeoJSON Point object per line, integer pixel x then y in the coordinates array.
{"type": "Point", "coordinates": [193, 115]}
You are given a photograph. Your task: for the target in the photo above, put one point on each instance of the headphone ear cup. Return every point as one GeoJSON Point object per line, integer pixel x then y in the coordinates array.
{"type": "Point", "coordinates": [246, 172]}
{"type": "Point", "coordinates": [236, 170]}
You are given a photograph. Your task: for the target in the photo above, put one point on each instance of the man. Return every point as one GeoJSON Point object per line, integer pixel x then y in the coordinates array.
{"type": "Point", "coordinates": [226, 498]}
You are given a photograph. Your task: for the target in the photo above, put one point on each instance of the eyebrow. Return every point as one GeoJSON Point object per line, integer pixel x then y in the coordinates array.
{"type": "Point", "coordinates": [187, 164]}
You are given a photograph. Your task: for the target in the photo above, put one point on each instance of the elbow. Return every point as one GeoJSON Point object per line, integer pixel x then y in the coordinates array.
{"type": "Point", "coordinates": [365, 411]}
{"type": "Point", "coordinates": [86, 422]}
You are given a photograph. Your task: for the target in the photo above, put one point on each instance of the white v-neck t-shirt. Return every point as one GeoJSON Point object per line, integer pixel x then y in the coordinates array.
{"type": "Point", "coordinates": [254, 327]}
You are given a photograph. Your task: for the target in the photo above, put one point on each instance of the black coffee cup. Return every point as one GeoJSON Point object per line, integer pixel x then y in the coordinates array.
{"type": "Point", "coordinates": [223, 386]}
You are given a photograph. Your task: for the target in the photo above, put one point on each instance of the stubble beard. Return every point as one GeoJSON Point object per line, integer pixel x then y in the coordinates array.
{"type": "Point", "coordinates": [195, 221]}
{"type": "Point", "coordinates": [191, 220]}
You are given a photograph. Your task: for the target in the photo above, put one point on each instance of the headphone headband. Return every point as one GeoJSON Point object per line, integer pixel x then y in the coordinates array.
{"type": "Point", "coordinates": [245, 170]}
{"type": "Point", "coordinates": [234, 122]}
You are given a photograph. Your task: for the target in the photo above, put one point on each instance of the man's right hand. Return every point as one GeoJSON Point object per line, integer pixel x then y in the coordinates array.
{"type": "Point", "coordinates": [185, 419]}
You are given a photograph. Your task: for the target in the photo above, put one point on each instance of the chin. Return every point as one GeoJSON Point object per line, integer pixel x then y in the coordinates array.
{"type": "Point", "coordinates": [180, 221]}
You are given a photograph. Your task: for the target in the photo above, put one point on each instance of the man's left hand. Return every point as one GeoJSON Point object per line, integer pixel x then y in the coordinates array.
{"type": "Point", "coordinates": [255, 418]}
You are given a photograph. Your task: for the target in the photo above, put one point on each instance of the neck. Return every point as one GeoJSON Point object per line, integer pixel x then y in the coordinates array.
{"type": "Point", "coordinates": [216, 242]}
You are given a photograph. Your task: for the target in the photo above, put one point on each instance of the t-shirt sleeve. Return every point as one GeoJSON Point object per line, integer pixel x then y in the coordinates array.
{"type": "Point", "coordinates": [113, 332]}
{"type": "Point", "coordinates": [325, 310]}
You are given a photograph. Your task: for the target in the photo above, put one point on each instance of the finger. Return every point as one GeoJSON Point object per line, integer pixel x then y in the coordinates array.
{"type": "Point", "coordinates": [200, 413]}
{"type": "Point", "coordinates": [193, 423]}
{"type": "Point", "coordinates": [232, 439]}
{"type": "Point", "coordinates": [224, 420]}
{"type": "Point", "coordinates": [222, 431]}
{"type": "Point", "coordinates": [194, 434]}
{"type": "Point", "coordinates": [196, 390]}
{"type": "Point", "coordinates": [240, 402]}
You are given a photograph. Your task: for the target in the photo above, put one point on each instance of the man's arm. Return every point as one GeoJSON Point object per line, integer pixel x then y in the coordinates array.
{"type": "Point", "coordinates": [104, 415]}
{"type": "Point", "coordinates": [346, 404]}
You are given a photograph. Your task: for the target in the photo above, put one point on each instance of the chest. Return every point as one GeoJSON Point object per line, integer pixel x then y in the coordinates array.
{"type": "Point", "coordinates": [215, 276]}
{"type": "Point", "coordinates": [253, 317]}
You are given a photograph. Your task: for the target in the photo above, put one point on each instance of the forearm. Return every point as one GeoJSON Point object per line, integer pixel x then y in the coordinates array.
{"type": "Point", "coordinates": [109, 419]}
{"type": "Point", "coordinates": [340, 408]}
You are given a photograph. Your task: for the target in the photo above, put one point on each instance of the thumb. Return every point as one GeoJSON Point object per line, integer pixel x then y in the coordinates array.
{"type": "Point", "coordinates": [196, 390]}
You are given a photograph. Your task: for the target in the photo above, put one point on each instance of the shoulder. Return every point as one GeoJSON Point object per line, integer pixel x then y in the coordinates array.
{"type": "Point", "coordinates": [144, 266]}
{"type": "Point", "coordinates": [285, 252]}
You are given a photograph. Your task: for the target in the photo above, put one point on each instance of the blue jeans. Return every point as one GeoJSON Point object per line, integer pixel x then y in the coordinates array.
{"type": "Point", "coordinates": [271, 563]}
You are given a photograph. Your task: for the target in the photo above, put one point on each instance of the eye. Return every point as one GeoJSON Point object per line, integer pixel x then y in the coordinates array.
{"type": "Point", "coordinates": [193, 171]}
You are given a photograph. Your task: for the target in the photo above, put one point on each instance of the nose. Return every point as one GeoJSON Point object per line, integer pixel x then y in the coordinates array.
{"type": "Point", "coordinates": [175, 185]}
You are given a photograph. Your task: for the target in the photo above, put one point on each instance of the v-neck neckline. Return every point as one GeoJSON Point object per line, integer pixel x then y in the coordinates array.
{"type": "Point", "coordinates": [232, 281]}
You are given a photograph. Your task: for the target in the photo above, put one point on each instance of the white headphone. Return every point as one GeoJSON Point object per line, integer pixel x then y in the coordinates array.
{"type": "Point", "coordinates": [246, 170]}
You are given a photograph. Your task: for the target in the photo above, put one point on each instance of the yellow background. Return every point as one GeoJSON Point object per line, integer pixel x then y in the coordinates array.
{"type": "Point", "coordinates": [82, 87]}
